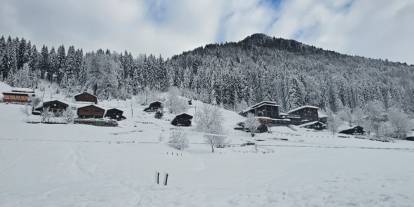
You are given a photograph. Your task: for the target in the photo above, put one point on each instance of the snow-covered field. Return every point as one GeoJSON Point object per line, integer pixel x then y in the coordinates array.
{"type": "Point", "coordinates": [43, 165]}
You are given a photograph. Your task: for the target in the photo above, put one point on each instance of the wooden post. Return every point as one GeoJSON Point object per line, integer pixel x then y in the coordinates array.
{"type": "Point", "coordinates": [157, 177]}
{"type": "Point", "coordinates": [166, 179]}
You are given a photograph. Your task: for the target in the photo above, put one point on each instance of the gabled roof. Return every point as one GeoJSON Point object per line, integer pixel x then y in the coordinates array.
{"type": "Point", "coordinates": [85, 93]}
{"type": "Point", "coordinates": [57, 101]}
{"type": "Point", "coordinates": [93, 105]}
{"type": "Point", "coordinates": [269, 103]}
{"type": "Point", "coordinates": [302, 107]}
{"type": "Point", "coordinates": [115, 109]}
{"type": "Point", "coordinates": [23, 90]}
{"type": "Point", "coordinates": [16, 93]}
{"type": "Point", "coordinates": [184, 115]}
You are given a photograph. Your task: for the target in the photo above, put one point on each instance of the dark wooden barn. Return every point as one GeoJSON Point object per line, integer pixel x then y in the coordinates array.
{"type": "Point", "coordinates": [263, 109]}
{"type": "Point", "coordinates": [303, 114]}
{"type": "Point", "coordinates": [358, 130]}
{"type": "Point", "coordinates": [182, 120]}
{"type": "Point", "coordinates": [154, 106]}
{"type": "Point", "coordinates": [86, 97]}
{"type": "Point", "coordinates": [317, 125]}
{"type": "Point", "coordinates": [56, 107]}
{"type": "Point", "coordinates": [91, 111]}
{"type": "Point", "coordinates": [115, 114]}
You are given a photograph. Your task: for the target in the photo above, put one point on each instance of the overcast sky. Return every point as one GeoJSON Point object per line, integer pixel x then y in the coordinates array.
{"type": "Point", "coordinates": [372, 28]}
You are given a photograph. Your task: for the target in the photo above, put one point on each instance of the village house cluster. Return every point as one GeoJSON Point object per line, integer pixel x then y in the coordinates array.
{"type": "Point", "coordinates": [268, 114]}
{"type": "Point", "coordinates": [86, 105]}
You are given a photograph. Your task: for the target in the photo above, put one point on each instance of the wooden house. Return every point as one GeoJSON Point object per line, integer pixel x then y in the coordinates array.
{"type": "Point", "coordinates": [115, 114]}
{"type": "Point", "coordinates": [182, 120]}
{"type": "Point", "coordinates": [358, 130]}
{"type": "Point", "coordinates": [90, 111]}
{"type": "Point", "coordinates": [86, 97]}
{"type": "Point", "coordinates": [303, 114]}
{"type": "Point", "coordinates": [154, 106]}
{"type": "Point", "coordinates": [56, 107]}
{"type": "Point", "coordinates": [263, 109]}
{"type": "Point", "coordinates": [19, 95]}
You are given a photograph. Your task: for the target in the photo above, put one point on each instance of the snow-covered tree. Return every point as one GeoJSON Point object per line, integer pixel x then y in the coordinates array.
{"type": "Point", "coordinates": [175, 103]}
{"type": "Point", "coordinates": [69, 115]}
{"type": "Point", "coordinates": [399, 122]}
{"type": "Point", "coordinates": [209, 121]}
{"type": "Point", "coordinates": [251, 123]}
{"type": "Point", "coordinates": [333, 122]}
{"type": "Point", "coordinates": [178, 139]}
{"type": "Point", "coordinates": [374, 111]}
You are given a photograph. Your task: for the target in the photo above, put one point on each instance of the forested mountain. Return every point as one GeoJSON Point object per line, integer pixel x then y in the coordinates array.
{"type": "Point", "coordinates": [232, 74]}
{"type": "Point", "coordinates": [292, 74]}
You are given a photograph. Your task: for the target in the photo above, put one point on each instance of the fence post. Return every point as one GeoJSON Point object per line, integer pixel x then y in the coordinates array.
{"type": "Point", "coordinates": [157, 177]}
{"type": "Point", "coordinates": [166, 179]}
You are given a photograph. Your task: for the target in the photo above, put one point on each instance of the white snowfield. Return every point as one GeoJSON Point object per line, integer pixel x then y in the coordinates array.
{"type": "Point", "coordinates": [44, 165]}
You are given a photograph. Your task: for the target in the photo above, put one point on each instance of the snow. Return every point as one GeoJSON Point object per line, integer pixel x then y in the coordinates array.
{"type": "Point", "coordinates": [48, 165]}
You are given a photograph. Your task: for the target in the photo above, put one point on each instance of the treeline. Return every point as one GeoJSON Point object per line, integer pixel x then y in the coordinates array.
{"type": "Point", "coordinates": [105, 73]}
{"type": "Point", "coordinates": [232, 74]}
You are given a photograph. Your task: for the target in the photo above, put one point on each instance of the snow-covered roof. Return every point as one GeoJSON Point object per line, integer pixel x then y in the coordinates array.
{"type": "Point", "coordinates": [99, 106]}
{"type": "Point", "coordinates": [84, 93]}
{"type": "Point", "coordinates": [321, 114]}
{"type": "Point", "coordinates": [270, 103]}
{"type": "Point", "coordinates": [23, 90]}
{"type": "Point", "coordinates": [308, 124]}
{"type": "Point", "coordinates": [302, 107]}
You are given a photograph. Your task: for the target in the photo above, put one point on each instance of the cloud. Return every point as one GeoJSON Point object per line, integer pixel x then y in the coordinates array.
{"type": "Point", "coordinates": [378, 29]}
{"type": "Point", "coordinates": [373, 28]}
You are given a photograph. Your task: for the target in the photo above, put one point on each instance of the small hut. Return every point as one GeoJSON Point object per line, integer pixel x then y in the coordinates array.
{"type": "Point", "coordinates": [86, 97]}
{"type": "Point", "coordinates": [115, 114]}
{"type": "Point", "coordinates": [358, 130]}
{"type": "Point", "coordinates": [55, 106]}
{"type": "Point", "coordinates": [154, 106]}
{"type": "Point", "coordinates": [91, 111]}
{"type": "Point", "coordinates": [182, 120]}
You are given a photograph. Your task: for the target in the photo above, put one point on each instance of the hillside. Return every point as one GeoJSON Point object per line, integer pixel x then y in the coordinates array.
{"type": "Point", "coordinates": [80, 165]}
{"type": "Point", "coordinates": [292, 74]}
{"type": "Point", "coordinates": [233, 74]}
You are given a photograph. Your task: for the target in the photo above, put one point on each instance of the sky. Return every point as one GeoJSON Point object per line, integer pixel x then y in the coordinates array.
{"type": "Point", "coordinates": [372, 28]}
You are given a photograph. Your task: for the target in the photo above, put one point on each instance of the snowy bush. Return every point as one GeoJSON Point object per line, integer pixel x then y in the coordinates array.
{"type": "Point", "coordinates": [374, 112]}
{"type": "Point", "coordinates": [346, 115]}
{"type": "Point", "coordinates": [178, 140]}
{"type": "Point", "coordinates": [399, 122]}
{"type": "Point", "coordinates": [333, 122]}
{"type": "Point", "coordinates": [46, 115]}
{"type": "Point", "coordinates": [68, 115]}
{"type": "Point", "coordinates": [175, 103]}
{"type": "Point", "coordinates": [209, 121]}
{"type": "Point", "coordinates": [251, 123]}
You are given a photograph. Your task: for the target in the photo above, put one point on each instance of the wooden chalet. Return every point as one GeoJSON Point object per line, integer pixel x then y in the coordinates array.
{"type": "Point", "coordinates": [86, 97]}
{"type": "Point", "coordinates": [154, 106]}
{"type": "Point", "coordinates": [115, 114]}
{"type": "Point", "coordinates": [55, 106]}
{"type": "Point", "coordinates": [18, 95]}
{"type": "Point", "coordinates": [182, 120]}
{"type": "Point", "coordinates": [263, 109]}
{"type": "Point", "coordinates": [357, 130]}
{"type": "Point", "coordinates": [90, 111]}
{"type": "Point", "coordinates": [303, 114]}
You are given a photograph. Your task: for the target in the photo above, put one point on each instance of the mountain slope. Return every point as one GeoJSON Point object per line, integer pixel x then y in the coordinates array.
{"type": "Point", "coordinates": [292, 74]}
